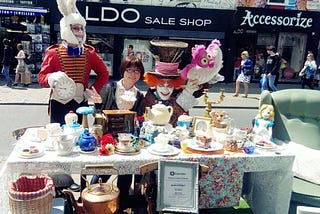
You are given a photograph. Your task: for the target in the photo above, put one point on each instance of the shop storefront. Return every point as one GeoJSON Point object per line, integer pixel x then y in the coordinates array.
{"type": "Point", "coordinates": [111, 28]}
{"type": "Point", "coordinates": [26, 25]}
{"type": "Point", "coordinates": [293, 33]}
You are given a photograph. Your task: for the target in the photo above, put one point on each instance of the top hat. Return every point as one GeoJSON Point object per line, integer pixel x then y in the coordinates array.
{"type": "Point", "coordinates": [167, 54]}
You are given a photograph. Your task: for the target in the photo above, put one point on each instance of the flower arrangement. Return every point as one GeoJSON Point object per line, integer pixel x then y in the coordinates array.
{"type": "Point", "coordinates": [107, 144]}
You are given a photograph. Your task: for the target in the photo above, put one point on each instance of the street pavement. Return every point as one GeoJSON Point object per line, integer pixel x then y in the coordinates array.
{"type": "Point", "coordinates": [239, 108]}
{"type": "Point", "coordinates": [35, 95]}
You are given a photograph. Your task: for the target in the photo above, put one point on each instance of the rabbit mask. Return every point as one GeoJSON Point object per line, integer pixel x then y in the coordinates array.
{"type": "Point", "coordinates": [71, 16]}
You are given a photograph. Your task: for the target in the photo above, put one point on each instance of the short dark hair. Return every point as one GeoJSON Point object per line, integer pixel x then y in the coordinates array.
{"type": "Point", "coordinates": [130, 61]}
{"type": "Point", "coordinates": [6, 41]}
{"type": "Point", "coordinates": [271, 47]}
{"type": "Point", "coordinates": [130, 46]}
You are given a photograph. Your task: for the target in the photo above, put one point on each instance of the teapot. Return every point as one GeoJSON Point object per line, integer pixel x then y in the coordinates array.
{"type": "Point", "coordinates": [86, 141]}
{"type": "Point", "coordinates": [159, 114]}
{"type": "Point", "coordinates": [74, 129]}
{"type": "Point", "coordinates": [101, 198]}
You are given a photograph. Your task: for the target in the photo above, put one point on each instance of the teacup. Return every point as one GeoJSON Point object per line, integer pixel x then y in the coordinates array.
{"type": "Point", "coordinates": [125, 141]}
{"type": "Point", "coordinates": [162, 142]}
{"type": "Point", "coordinates": [64, 144]}
{"type": "Point", "coordinates": [53, 129]}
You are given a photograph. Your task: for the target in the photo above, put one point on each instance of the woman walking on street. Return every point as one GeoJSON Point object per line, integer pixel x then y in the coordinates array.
{"type": "Point", "coordinates": [21, 67]}
{"type": "Point", "coordinates": [245, 71]}
{"type": "Point", "coordinates": [308, 71]}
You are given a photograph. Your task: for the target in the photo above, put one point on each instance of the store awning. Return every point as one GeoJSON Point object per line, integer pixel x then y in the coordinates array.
{"type": "Point", "coordinates": [22, 11]}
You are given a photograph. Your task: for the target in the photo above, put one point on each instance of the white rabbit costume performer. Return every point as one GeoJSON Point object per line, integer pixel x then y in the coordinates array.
{"type": "Point", "coordinates": [66, 67]}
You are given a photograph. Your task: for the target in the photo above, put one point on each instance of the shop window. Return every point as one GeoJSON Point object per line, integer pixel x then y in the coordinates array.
{"type": "Point", "coordinates": [291, 46]}
{"type": "Point", "coordinates": [141, 49]}
{"type": "Point", "coordinates": [104, 46]}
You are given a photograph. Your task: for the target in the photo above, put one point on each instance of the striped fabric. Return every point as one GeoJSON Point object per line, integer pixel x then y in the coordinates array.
{"type": "Point", "coordinates": [30, 187]}
{"type": "Point", "coordinates": [74, 66]}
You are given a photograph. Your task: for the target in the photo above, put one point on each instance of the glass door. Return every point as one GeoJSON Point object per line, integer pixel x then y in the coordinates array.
{"type": "Point", "coordinates": [291, 46]}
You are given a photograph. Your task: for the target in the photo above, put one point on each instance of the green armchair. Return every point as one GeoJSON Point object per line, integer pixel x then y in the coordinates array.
{"type": "Point", "coordinates": [297, 119]}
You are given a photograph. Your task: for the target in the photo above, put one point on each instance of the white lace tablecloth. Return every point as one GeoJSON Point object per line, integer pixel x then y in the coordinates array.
{"type": "Point", "coordinates": [266, 185]}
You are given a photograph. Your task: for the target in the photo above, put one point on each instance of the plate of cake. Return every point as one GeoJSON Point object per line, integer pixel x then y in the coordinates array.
{"type": "Point", "coordinates": [31, 151]}
{"type": "Point", "coordinates": [205, 146]}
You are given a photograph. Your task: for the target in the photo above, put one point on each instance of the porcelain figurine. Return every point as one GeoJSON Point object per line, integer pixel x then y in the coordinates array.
{"type": "Point", "coordinates": [263, 123]}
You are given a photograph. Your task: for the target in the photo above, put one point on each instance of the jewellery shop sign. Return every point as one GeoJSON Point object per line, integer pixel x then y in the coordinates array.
{"type": "Point", "coordinates": [169, 18]}
{"type": "Point", "coordinates": [285, 20]}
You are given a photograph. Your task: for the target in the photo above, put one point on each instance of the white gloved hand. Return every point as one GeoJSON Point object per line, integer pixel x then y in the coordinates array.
{"type": "Point", "coordinates": [56, 77]}
{"type": "Point", "coordinates": [192, 86]}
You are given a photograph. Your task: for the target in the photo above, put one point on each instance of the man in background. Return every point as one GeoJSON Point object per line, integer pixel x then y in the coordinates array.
{"type": "Point", "coordinates": [272, 66]}
{"type": "Point", "coordinates": [7, 61]}
{"type": "Point", "coordinates": [130, 50]}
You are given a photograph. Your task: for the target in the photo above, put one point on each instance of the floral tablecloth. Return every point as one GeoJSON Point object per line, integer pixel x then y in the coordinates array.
{"type": "Point", "coordinates": [267, 184]}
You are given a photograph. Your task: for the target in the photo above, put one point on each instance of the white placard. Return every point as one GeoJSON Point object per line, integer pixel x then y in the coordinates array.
{"type": "Point", "coordinates": [178, 186]}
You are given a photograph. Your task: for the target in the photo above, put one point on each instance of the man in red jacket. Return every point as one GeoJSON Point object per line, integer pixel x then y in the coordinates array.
{"type": "Point", "coordinates": [66, 67]}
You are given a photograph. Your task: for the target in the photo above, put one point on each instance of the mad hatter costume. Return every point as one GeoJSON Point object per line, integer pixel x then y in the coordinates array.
{"type": "Point", "coordinates": [166, 84]}
{"type": "Point", "coordinates": [66, 67]}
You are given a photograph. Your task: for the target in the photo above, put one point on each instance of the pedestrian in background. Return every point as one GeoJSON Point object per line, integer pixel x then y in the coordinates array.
{"type": "Point", "coordinates": [245, 71]}
{"type": "Point", "coordinates": [308, 71]}
{"type": "Point", "coordinates": [130, 50]}
{"type": "Point", "coordinates": [21, 68]}
{"type": "Point", "coordinates": [272, 67]}
{"type": "Point", "coordinates": [7, 61]}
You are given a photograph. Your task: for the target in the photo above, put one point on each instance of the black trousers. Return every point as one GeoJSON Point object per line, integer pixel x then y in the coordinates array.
{"type": "Point", "coordinates": [58, 110]}
{"type": "Point", "coordinates": [308, 82]}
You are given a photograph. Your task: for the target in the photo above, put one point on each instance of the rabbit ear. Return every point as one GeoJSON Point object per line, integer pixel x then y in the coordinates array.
{"type": "Point", "coordinates": [67, 7]}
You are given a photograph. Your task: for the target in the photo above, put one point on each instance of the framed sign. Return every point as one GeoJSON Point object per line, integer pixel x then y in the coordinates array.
{"type": "Point", "coordinates": [178, 186]}
{"type": "Point", "coordinates": [200, 124]}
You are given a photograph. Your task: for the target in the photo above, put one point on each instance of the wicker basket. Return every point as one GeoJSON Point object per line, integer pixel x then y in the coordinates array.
{"type": "Point", "coordinates": [31, 195]}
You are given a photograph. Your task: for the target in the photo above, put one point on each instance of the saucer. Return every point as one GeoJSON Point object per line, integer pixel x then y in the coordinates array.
{"type": "Point", "coordinates": [128, 149]}
{"type": "Point", "coordinates": [171, 152]}
{"type": "Point", "coordinates": [266, 145]}
{"type": "Point", "coordinates": [133, 152]}
{"type": "Point", "coordinates": [86, 152]}
{"type": "Point", "coordinates": [165, 150]}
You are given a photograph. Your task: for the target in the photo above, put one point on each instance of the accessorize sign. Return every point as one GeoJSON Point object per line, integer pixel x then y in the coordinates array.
{"type": "Point", "coordinates": [178, 186]}
{"type": "Point", "coordinates": [261, 18]}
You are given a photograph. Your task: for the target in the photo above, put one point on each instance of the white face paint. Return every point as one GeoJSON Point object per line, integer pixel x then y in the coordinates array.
{"type": "Point", "coordinates": [165, 90]}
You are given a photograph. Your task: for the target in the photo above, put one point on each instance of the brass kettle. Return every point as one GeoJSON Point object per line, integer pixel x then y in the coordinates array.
{"type": "Point", "coordinates": [101, 198]}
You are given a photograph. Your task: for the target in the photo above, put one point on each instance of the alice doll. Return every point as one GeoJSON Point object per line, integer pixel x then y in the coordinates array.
{"type": "Point", "coordinates": [264, 122]}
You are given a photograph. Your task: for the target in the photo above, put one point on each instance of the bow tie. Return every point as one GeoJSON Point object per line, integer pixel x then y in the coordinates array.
{"type": "Point", "coordinates": [74, 51]}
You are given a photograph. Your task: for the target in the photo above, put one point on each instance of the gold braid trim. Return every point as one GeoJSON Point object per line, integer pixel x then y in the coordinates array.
{"type": "Point", "coordinates": [74, 66]}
